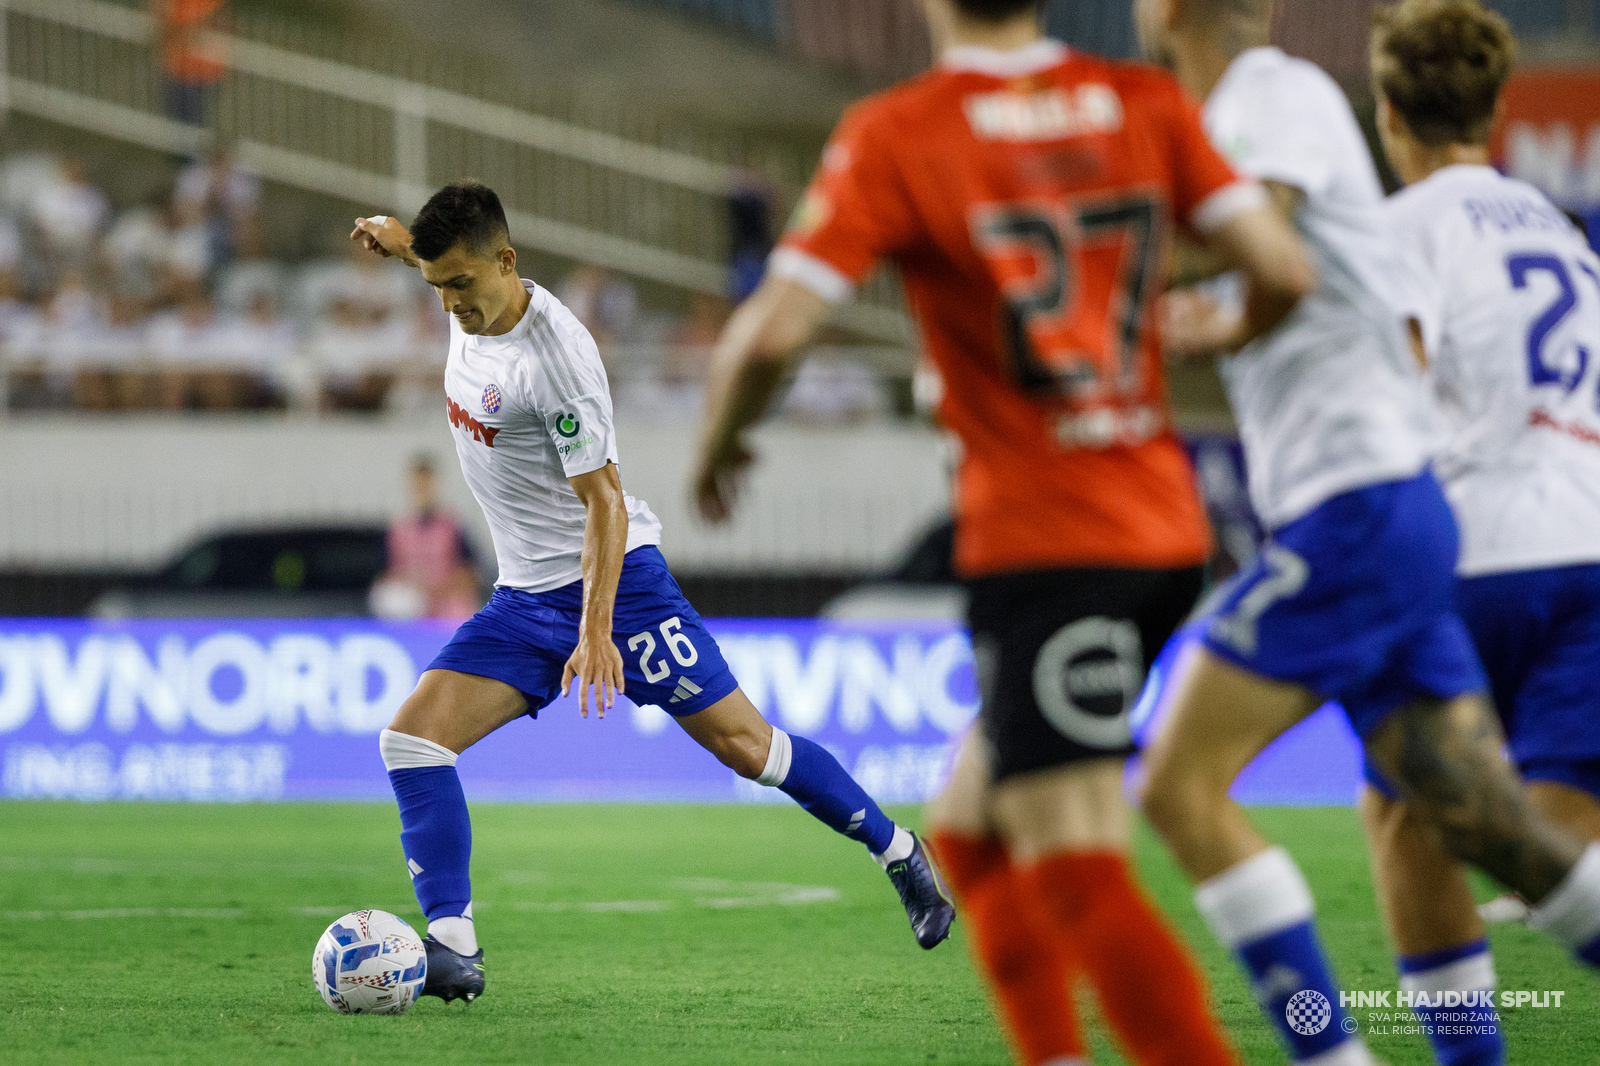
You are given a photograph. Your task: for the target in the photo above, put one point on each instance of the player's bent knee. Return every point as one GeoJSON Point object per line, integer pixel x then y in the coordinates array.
{"type": "Point", "coordinates": [457, 710]}
{"type": "Point", "coordinates": [743, 760]}
{"type": "Point", "coordinates": [1157, 799]}
{"type": "Point", "coordinates": [743, 753]}
{"type": "Point", "coordinates": [1172, 796]}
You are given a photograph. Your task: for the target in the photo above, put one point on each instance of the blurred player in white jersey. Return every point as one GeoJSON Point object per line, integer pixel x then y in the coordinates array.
{"type": "Point", "coordinates": [1353, 596]}
{"type": "Point", "coordinates": [583, 593]}
{"type": "Point", "coordinates": [1502, 296]}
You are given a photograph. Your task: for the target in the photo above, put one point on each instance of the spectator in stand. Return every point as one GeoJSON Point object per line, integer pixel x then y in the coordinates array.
{"type": "Point", "coordinates": [606, 304]}
{"type": "Point", "coordinates": [136, 258]}
{"type": "Point", "coordinates": [420, 370]}
{"type": "Point", "coordinates": [67, 216]}
{"type": "Point", "coordinates": [223, 200]}
{"type": "Point", "coordinates": [360, 331]}
{"type": "Point", "coordinates": [53, 349]}
{"type": "Point", "coordinates": [13, 309]}
{"type": "Point", "coordinates": [672, 387]}
{"type": "Point", "coordinates": [251, 335]}
{"type": "Point", "coordinates": [193, 57]}
{"type": "Point", "coordinates": [109, 375]}
{"type": "Point", "coordinates": [23, 177]}
{"type": "Point", "coordinates": [355, 353]}
{"type": "Point", "coordinates": [195, 371]}
{"type": "Point", "coordinates": [429, 574]}
{"type": "Point", "coordinates": [831, 388]}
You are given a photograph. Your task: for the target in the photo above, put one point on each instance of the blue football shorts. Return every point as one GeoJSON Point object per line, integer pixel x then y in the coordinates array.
{"type": "Point", "coordinates": [1355, 602]}
{"type": "Point", "coordinates": [1538, 634]}
{"type": "Point", "coordinates": [525, 639]}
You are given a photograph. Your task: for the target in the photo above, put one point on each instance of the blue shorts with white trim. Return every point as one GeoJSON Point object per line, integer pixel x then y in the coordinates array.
{"type": "Point", "coordinates": [1355, 602]}
{"type": "Point", "coordinates": [525, 639]}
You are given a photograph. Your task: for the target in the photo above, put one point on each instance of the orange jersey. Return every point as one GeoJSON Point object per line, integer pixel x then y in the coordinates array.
{"type": "Point", "coordinates": [1027, 198]}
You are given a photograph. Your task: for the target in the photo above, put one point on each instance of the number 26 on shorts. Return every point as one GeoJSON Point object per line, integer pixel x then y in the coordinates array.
{"type": "Point", "coordinates": [678, 644]}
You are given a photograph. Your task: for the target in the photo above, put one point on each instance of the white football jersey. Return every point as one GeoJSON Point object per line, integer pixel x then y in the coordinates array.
{"type": "Point", "coordinates": [1507, 293]}
{"type": "Point", "coordinates": [1332, 400]}
{"type": "Point", "coordinates": [528, 410]}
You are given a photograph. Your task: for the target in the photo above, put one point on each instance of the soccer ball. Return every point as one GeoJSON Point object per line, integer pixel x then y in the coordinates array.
{"type": "Point", "coordinates": [369, 962]}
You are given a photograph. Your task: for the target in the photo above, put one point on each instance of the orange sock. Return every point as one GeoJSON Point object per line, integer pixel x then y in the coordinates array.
{"type": "Point", "coordinates": [1011, 941]}
{"type": "Point", "coordinates": [1151, 991]}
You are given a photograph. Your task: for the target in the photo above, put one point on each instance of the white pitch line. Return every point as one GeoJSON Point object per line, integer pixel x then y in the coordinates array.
{"type": "Point", "coordinates": [620, 906]}
{"type": "Point", "coordinates": [123, 912]}
{"type": "Point", "coordinates": [767, 894]}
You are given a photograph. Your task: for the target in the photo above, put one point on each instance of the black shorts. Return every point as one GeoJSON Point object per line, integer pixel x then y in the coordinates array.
{"type": "Point", "coordinates": [1062, 655]}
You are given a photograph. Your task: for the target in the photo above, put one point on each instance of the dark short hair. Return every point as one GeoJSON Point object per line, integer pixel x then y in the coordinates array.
{"type": "Point", "coordinates": [1441, 64]}
{"type": "Point", "coordinates": [997, 10]}
{"type": "Point", "coordinates": [463, 213]}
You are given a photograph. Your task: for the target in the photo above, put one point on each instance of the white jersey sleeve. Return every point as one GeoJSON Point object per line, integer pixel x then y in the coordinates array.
{"type": "Point", "coordinates": [1267, 135]}
{"type": "Point", "coordinates": [1508, 296]}
{"type": "Point", "coordinates": [571, 393]}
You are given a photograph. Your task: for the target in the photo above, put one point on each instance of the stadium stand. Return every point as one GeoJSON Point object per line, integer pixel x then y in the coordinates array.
{"type": "Point", "coordinates": [188, 289]}
{"type": "Point", "coordinates": [884, 39]}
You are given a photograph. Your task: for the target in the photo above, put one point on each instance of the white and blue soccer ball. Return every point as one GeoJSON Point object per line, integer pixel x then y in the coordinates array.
{"type": "Point", "coordinates": [369, 962]}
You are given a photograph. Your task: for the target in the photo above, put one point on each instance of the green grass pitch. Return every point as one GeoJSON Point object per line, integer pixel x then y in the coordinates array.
{"type": "Point", "coordinates": [615, 934]}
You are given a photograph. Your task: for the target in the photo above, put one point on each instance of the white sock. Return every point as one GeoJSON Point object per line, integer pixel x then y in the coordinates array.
{"type": "Point", "coordinates": [1254, 898]}
{"type": "Point", "coordinates": [457, 934]}
{"type": "Point", "coordinates": [402, 751]}
{"type": "Point", "coordinates": [1475, 973]}
{"type": "Point", "coordinates": [779, 754]}
{"type": "Point", "coordinates": [900, 847]}
{"type": "Point", "coordinates": [1571, 913]}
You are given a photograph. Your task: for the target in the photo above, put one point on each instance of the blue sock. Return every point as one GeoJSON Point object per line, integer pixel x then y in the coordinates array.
{"type": "Point", "coordinates": [1465, 1032]}
{"type": "Point", "coordinates": [1262, 909]}
{"type": "Point", "coordinates": [436, 834]}
{"type": "Point", "coordinates": [815, 780]}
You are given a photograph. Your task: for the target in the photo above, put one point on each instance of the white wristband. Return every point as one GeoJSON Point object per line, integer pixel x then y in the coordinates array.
{"type": "Point", "coordinates": [378, 220]}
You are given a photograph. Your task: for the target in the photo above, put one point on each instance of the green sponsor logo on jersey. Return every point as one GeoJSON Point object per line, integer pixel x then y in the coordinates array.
{"type": "Point", "coordinates": [568, 426]}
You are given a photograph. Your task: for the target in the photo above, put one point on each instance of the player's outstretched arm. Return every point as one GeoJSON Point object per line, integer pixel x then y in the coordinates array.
{"type": "Point", "coordinates": [385, 236]}
{"type": "Point", "coordinates": [1261, 244]}
{"type": "Point", "coordinates": [1196, 261]}
{"type": "Point", "coordinates": [754, 352]}
{"type": "Point", "coordinates": [595, 662]}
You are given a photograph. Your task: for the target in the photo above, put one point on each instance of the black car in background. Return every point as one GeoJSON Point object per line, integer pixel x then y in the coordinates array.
{"type": "Point", "coordinates": [291, 571]}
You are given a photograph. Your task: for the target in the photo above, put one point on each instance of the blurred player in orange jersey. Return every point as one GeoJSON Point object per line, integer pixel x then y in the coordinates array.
{"type": "Point", "coordinates": [1027, 195]}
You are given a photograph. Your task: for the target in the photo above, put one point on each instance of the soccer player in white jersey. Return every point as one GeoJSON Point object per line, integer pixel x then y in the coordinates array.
{"type": "Point", "coordinates": [1352, 597]}
{"type": "Point", "coordinates": [1502, 296]}
{"type": "Point", "coordinates": [583, 593]}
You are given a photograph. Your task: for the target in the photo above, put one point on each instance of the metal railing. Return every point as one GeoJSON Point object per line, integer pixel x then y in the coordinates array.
{"type": "Point", "coordinates": [376, 139]}
{"type": "Point", "coordinates": [401, 378]}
